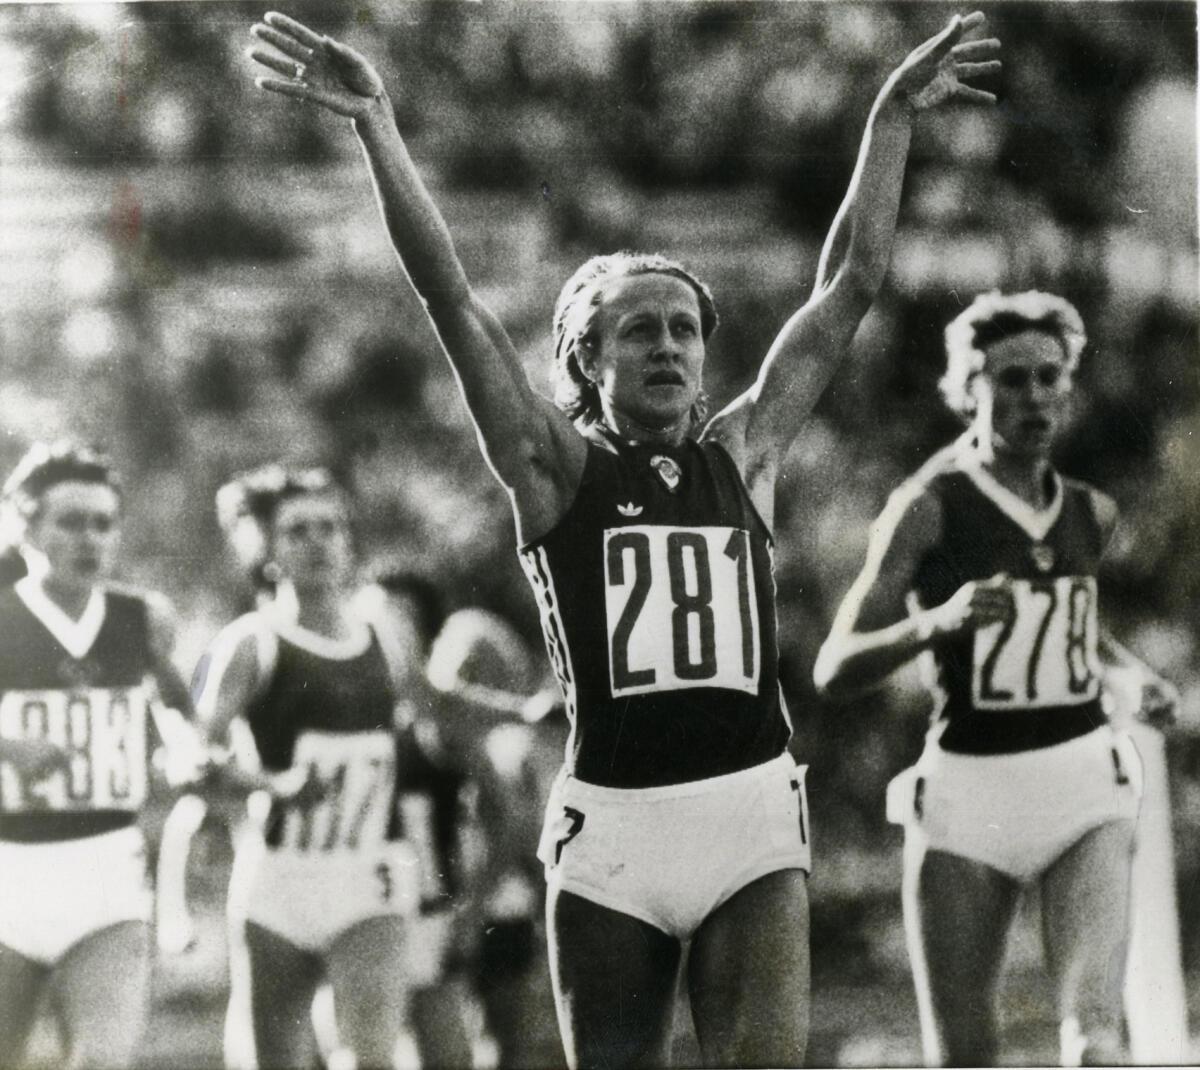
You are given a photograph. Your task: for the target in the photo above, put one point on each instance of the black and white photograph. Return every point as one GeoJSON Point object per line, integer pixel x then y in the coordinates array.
{"type": "Point", "coordinates": [608, 534]}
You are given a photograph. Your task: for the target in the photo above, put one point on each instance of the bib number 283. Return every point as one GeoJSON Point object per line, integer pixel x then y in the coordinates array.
{"type": "Point", "coordinates": [681, 609]}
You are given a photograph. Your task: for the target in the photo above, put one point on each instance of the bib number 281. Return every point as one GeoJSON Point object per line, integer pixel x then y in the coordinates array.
{"type": "Point", "coordinates": [681, 609]}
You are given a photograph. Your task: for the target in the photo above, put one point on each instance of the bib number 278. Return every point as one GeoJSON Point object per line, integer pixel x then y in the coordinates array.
{"type": "Point", "coordinates": [681, 609]}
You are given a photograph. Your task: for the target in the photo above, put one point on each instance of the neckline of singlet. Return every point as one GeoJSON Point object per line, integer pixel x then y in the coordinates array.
{"type": "Point", "coordinates": [75, 636]}
{"type": "Point", "coordinates": [1036, 523]}
{"type": "Point", "coordinates": [352, 646]}
{"type": "Point", "coordinates": [625, 446]}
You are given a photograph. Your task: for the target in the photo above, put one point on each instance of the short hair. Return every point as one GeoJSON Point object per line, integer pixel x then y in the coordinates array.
{"type": "Point", "coordinates": [47, 464]}
{"type": "Point", "coordinates": [575, 317]}
{"type": "Point", "coordinates": [428, 604]}
{"type": "Point", "coordinates": [992, 317]}
{"type": "Point", "coordinates": [248, 503]}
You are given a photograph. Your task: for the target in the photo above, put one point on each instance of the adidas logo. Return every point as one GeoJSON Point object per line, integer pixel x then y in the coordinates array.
{"type": "Point", "coordinates": [629, 510]}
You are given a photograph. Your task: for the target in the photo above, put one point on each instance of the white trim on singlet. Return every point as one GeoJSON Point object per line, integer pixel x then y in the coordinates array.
{"type": "Point", "coordinates": [76, 636]}
{"type": "Point", "coordinates": [352, 646]}
{"type": "Point", "coordinates": [1036, 523]}
{"type": "Point", "coordinates": [225, 645]}
{"type": "Point", "coordinates": [536, 564]}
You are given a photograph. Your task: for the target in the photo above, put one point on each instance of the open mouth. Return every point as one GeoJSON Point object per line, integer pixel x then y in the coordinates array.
{"type": "Point", "coordinates": [666, 377]}
{"type": "Point", "coordinates": [1035, 424]}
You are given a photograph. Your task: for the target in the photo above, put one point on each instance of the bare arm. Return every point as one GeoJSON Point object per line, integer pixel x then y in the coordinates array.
{"type": "Point", "coordinates": [874, 633]}
{"type": "Point", "coordinates": [758, 426]}
{"type": "Point", "coordinates": [230, 684]}
{"type": "Point", "coordinates": [1146, 694]}
{"type": "Point", "coordinates": [531, 446]}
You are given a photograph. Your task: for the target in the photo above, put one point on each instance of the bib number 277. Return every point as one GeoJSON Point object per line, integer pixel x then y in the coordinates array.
{"type": "Point", "coordinates": [681, 609]}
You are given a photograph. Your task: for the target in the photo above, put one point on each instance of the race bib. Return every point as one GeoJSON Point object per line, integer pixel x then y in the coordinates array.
{"type": "Point", "coordinates": [1046, 654]}
{"type": "Point", "coordinates": [357, 772]}
{"type": "Point", "coordinates": [102, 732]}
{"type": "Point", "coordinates": [681, 609]}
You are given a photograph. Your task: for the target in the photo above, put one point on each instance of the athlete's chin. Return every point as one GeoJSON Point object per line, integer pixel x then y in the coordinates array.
{"type": "Point", "coordinates": [663, 408]}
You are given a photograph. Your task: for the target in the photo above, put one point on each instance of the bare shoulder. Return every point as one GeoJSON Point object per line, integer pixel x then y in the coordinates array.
{"type": "Point", "coordinates": [758, 466]}
{"type": "Point", "coordinates": [912, 518]}
{"type": "Point", "coordinates": [544, 481]}
{"type": "Point", "coordinates": [1105, 509]}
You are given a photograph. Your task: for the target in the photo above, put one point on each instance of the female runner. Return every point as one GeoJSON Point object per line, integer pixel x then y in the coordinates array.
{"type": "Point", "coordinates": [302, 690]}
{"type": "Point", "coordinates": [646, 535]}
{"type": "Point", "coordinates": [986, 562]}
{"type": "Point", "coordinates": [84, 667]}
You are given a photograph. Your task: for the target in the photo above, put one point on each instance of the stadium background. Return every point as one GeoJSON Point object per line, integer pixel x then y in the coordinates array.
{"type": "Point", "coordinates": [193, 274]}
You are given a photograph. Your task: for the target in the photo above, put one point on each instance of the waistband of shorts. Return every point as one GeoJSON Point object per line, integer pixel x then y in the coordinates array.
{"type": "Point", "coordinates": [131, 834]}
{"type": "Point", "coordinates": [584, 790]}
{"type": "Point", "coordinates": [1102, 735]}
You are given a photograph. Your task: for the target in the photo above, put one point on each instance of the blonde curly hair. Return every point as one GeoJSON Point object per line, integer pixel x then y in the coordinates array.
{"type": "Point", "coordinates": [993, 316]}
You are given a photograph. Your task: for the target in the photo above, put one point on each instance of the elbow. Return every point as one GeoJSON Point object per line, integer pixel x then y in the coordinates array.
{"type": "Point", "coordinates": [828, 676]}
{"type": "Point", "coordinates": [861, 278]}
{"type": "Point", "coordinates": [851, 289]}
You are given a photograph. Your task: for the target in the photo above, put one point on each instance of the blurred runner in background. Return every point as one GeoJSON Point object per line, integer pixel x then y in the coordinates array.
{"type": "Point", "coordinates": [505, 721]}
{"type": "Point", "coordinates": [303, 692]}
{"type": "Point", "coordinates": [984, 563]}
{"type": "Point", "coordinates": [679, 816]}
{"type": "Point", "coordinates": [85, 673]}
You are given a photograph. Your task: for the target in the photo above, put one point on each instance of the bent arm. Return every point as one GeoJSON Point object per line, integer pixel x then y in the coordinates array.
{"type": "Point", "coordinates": [230, 683]}
{"type": "Point", "coordinates": [873, 633]}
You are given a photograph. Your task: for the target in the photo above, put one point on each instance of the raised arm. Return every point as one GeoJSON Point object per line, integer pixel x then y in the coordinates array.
{"type": "Point", "coordinates": [877, 629]}
{"type": "Point", "coordinates": [758, 426]}
{"type": "Point", "coordinates": [531, 446]}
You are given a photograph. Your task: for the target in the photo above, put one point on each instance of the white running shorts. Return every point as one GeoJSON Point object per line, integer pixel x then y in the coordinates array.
{"type": "Point", "coordinates": [1018, 813]}
{"type": "Point", "coordinates": [671, 855]}
{"type": "Point", "coordinates": [55, 894]}
{"type": "Point", "coordinates": [311, 899]}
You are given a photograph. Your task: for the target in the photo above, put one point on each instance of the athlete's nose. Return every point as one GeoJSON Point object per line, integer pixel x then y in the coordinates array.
{"type": "Point", "coordinates": [665, 346]}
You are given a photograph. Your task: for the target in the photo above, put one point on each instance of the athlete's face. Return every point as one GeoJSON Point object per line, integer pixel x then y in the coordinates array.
{"type": "Point", "coordinates": [311, 540]}
{"type": "Point", "coordinates": [75, 528]}
{"type": "Point", "coordinates": [649, 353]}
{"type": "Point", "coordinates": [1031, 386]}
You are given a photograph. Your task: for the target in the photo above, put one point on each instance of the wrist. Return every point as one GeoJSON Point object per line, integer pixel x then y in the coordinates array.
{"type": "Point", "coordinates": [376, 117]}
{"type": "Point", "coordinates": [895, 106]}
{"type": "Point", "coordinates": [927, 627]}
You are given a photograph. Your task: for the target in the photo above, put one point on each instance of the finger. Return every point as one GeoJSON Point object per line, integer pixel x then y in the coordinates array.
{"type": "Point", "coordinates": [977, 70]}
{"type": "Point", "coordinates": [289, 46]}
{"type": "Point", "coordinates": [976, 49]}
{"type": "Point", "coordinates": [343, 52]}
{"type": "Point", "coordinates": [346, 58]}
{"type": "Point", "coordinates": [975, 96]}
{"type": "Point", "coordinates": [297, 29]}
{"type": "Point", "coordinates": [299, 90]}
{"type": "Point", "coordinates": [976, 18]}
{"type": "Point", "coordinates": [287, 67]}
{"type": "Point", "coordinates": [947, 39]}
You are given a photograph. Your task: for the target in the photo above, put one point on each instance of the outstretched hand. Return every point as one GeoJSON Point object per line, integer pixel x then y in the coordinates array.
{"type": "Point", "coordinates": [933, 73]}
{"type": "Point", "coordinates": [315, 68]}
